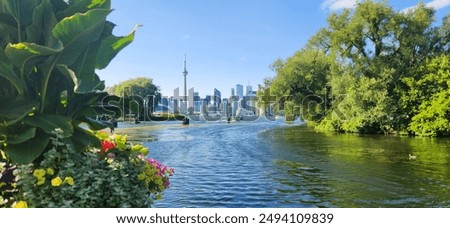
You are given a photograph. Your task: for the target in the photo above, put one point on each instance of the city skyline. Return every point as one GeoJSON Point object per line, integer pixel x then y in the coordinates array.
{"type": "Point", "coordinates": [216, 92]}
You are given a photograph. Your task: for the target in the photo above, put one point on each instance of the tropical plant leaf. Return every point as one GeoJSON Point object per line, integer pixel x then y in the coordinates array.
{"type": "Point", "coordinates": [69, 74]}
{"type": "Point", "coordinates": [8, 32]}
{"type": "Point", "coordinates": [34, 31]}
{"type": "Point", "coordinates": [22, 54]}
{"type": "Point", "coordinates": [77, 32]}
{"type": "Point", "coordinates": [22, 136]}
{"type": "Point", "coordinates": [15, 110]}
{"type": "Point", "coordinates": [7, 19]}
{"type": "Point", "coordinates": [7, 72]}
{"type": "Point", "coordinates": [85, 69]}
{"type": "Point", "coordinates": [8, 27]}
{"type": "Point", "coordinates": [28, 151]}
{"type": "Point", "coordinates": [51, 122]}
{"type": "Point", "coordinates": [81, 103]}
{"type": "Point", "coordinates": [3, 134]}
{"type": "Point", "coordinates": [97, 124]}
{"type": "Point", "coordinates": [111, 46]}
{"type": "Point", "coordinates": [21, 10]}
{"type": "Point", "coordinates": [81, 6]}
{"type": "Point", "coordinates": [83, 138]}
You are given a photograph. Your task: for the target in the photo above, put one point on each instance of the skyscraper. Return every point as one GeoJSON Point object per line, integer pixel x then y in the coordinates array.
{"type": "Point", "coordinates": [217, 98]}
{"type": "Point", "coordinates": [240, 90]}
{"type": "Point", "coordinates": [197, 102]}
{"type": "Point", "coordinates": [249, 90]}
{"type": "Point", "coordinates": [232, 92]}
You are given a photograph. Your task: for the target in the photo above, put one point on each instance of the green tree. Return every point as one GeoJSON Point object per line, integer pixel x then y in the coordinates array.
{"type": "Point", "coordinates": [374, 39]}
{"type": "Point", "coordinates": [140, 90]}
{"type": "Point", "coordinates": [301, 82]}
{"type": "Point", "coordinates": [432, 95]}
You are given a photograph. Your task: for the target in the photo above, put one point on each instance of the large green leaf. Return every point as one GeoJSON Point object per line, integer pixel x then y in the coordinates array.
{"type": "Point", "coordinates": [15, 110]}
{"type": "Point", "coordinates": [81, 6]}
{"type": "Point", "coordinates": [82, 103]}
{"type": "Point", "coordinates": [8, 27]}
{"type": "Point", "coordinates": [49, 21]}
{"type": "Point", "coordinates": [97, 124]}
{"type": "Point", "coordinates": [69, 74]}
{"type": "Point", "coordinates": [85, 69]}
{"type": "Point", "coordinates": [51, 122]}
{"type": "Point", "coordinates": [3, 134]}
{"type": "Point", "coordinates": [83, 138]}
{"type": "Point", "coordinates": [34, 31]}
{"type": "Point", "coordinates": [8, 32]}
{"type": "Point", "coordinates": [23, 54]}
{"type": "Point", "coordinates": [7, 72]}
{"type": "Point", "coordinates": [78, 31]}
{"type": "Point", "coordinates": [7, 19]}
{"type": "Point", "coordinates": [111, 46]}
{"type": "Point", "coordinates": [21, 10]}
{"type": "Point", "coordinates": [22, 136]}
{"type": "Point", "coordinates": [28, 151]}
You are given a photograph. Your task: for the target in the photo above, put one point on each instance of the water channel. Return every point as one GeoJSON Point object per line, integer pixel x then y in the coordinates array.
{"type": "Point", "coordinates": [273, 164]}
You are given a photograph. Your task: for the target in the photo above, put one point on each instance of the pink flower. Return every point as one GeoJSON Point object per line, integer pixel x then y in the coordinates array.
{"type": "Point", "coordinates": [111, 156]}
{"type": "Point", "coordinates": [167, 184]}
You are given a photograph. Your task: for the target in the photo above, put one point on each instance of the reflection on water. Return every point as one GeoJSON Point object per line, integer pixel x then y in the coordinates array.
{"type": "Point", "coordinates": [364, 171]}
{"type": "Point", "coordinates": [270, 164]}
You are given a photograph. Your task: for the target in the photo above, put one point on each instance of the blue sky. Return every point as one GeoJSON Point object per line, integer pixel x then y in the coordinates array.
{"type": "Point", "coordinates": [227, 42]}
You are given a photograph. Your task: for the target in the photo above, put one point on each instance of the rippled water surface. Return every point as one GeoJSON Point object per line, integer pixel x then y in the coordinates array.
{"type": "Point", "coordinates": [271, 164]}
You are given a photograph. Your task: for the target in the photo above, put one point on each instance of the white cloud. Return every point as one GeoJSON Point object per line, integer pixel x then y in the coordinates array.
{"type": "Point", "coordinates": [438, 4]}
{"type": "Point", "coordinates": [334, 5]}
{"type": "Point", "coordinates": [435, 4]}
{"type": "Point", "coordinates": [186, 36]}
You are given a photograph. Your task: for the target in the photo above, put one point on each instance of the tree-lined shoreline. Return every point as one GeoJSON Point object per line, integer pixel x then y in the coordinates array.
{"type": "Point", "coordinates": [371, 70]}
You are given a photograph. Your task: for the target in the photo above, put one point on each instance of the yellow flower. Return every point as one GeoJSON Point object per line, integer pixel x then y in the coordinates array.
{"type": "Point", "coordinates": [56, 181]}
{"type": "Point", "coordinates": [144, 151]}
{"type": "Point", "coordinates": [121, 141]}
{"type": "Point", "coordinates": [39, 173]}
{"type": "Point", "coordinates": [136, 148]}
{"type": "Point", "coordinates": [50, 171]}
{"type": "Point", "coordinates": [69, 181]}
{"type": "Point", "coordinates": [41, 180]}
{"type": "Point", "coordinates": [20, 204]}
{"type": "Point", "coordinates": [102, 135]}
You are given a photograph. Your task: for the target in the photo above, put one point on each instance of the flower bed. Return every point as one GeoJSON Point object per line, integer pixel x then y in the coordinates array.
{"type": "Point", "coordinates": [116, 175]}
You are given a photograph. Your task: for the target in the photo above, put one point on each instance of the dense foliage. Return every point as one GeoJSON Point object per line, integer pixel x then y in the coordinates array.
{"type": "Point", "coordinates": [49, 51]}
{"type": "Point", "coordinates": [371, 70]}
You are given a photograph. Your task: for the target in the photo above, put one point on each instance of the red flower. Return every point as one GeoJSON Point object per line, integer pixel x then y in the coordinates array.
{"type": "Point", "coordinates": [107, 145]}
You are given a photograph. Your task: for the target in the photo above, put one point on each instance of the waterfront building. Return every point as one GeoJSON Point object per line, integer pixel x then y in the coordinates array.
{"type": "Point", "coordinates": [240, 90]}
{"type": "Point", "coordinates": [197, 103]}
{"type": "Point", "coordinates": [249, 90]}
{"type": "Point", "coordinates": [217, 99]}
